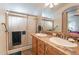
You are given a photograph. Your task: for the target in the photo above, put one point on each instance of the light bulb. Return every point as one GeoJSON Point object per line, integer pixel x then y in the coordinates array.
{"type": "Point", "coordinates": [51, 5]}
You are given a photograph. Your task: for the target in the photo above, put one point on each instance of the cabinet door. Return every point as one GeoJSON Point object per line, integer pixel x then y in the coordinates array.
{"type": "Point", "coordinates": [49, 50]}
{"type": "Point", "coordinates": [34, 45]}
{"type": "Point", "coordinates": [41, 47]}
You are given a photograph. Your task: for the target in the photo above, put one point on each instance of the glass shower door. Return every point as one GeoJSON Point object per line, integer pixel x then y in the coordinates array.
{"type": "Point", "coordinates": [17, 24]}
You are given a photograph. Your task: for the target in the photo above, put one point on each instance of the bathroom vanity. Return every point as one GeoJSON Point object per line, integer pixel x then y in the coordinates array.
{"type": "Point", "coordinates": [41, 45]}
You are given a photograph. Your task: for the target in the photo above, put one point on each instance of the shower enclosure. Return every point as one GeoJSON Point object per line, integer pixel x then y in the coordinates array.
{"type": "Point", "coordinates": [19, 28]}
{"type": "Point", "coordinates": [16, 25]}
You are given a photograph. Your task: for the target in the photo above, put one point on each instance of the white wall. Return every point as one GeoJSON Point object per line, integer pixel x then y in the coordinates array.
{"type": "Point", "coordinates": [2, 33]}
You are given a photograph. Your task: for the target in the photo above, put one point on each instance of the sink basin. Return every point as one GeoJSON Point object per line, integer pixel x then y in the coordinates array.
{"type": "Point", "coordinates": [41, 34]}
{"type": "Point", "coordinates": [62, 42]}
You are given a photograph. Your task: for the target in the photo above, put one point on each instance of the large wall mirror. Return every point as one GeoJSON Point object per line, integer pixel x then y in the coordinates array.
{"type": "Point", "coordinates": [73, 21]}
{"type": "Point", "coordinates": [70, 20]}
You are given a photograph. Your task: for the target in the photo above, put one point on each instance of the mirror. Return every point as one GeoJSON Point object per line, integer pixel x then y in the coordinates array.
{"type": "Point", "coordinates": [47, 24]}
{"type": "Point", "coordinates": [70, 20]}
{"type": "Point", "coordinates": [73, 21]}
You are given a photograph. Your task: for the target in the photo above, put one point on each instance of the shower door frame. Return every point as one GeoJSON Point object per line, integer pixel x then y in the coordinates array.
{"type": "Point", "coordinates": [7, 34]}
{"type": "Point", "coordinates": [7, 18]}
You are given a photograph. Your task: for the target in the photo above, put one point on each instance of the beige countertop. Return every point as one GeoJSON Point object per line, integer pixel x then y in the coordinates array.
{"type": "Point", "coordinates": [66, 50]}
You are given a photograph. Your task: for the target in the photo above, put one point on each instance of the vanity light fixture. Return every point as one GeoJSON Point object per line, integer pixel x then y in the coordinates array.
{"type": "Point", "coordinates": [51, 5]}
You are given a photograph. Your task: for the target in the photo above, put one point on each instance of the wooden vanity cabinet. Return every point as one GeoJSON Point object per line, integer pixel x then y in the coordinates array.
{"type": "Point", "coordinates": [49, 50]}
{"type": "Point", "coordinates": [38, 47]}
{"type": "Point", "coordinates": [34, 45]}
{"type": "Point", "coordinates": [41, 48]}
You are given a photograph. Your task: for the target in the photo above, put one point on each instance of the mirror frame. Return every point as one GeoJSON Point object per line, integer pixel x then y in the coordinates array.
{"type": "Point", "coordinates": [65, 24]}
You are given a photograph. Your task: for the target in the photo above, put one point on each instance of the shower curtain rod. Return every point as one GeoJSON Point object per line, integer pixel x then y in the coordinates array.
{"type": "Point", "coordinates": [20, 13]}
{"type": "Point", "coordinates": [25, 14]}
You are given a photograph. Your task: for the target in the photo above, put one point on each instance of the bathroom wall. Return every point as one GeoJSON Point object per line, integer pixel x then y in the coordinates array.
{"type": "Point", "coordinates": [2, 33]}
{"type": "Point", "coordinates": [31, 27]}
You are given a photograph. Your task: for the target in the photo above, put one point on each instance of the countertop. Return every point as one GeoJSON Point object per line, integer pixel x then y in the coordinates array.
{"type": "Point", "coordinates": [66, 50]}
